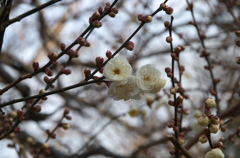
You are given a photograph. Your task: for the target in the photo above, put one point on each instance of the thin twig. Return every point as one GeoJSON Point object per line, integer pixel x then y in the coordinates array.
{"type": "Point", "coordinates": [24, 15]}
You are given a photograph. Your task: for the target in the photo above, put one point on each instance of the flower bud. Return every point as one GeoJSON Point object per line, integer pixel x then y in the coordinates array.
{"type": "Point", "coordinates": [210, 103]}
{"type": "Point", "coordinates": [13, 114]}
{"type": "Point", "coordinates": [42, 91]}
{"type": "Point", "coordinates": [238, 60]}
{"type": "Point", "coordinates": [173, 90]}
{"type": "Point", "coordinates": [214, 153]}
{"type": "Point", "coordinates": [169, 10]}
{"type": "Point", "coordinates": [109, 54]}
{"type": "Point", "coordinates": [87, 44]}
{"type": "Point", "coordinates": [147, 18]}
{"type": "Point", "coordinates": [100, 10]}
{"type": "Point", "coordinates": [46, 79]}
{"type": "Point", "coordinates": [181, 140]}
{"type": "Point", "coordinates": [237, 33]}
{"type": "Point", "coordinates": [99, 61]}
{"type": "Point", "coordinates": [203, 121]}
{"type": "Point", "coordinates": [214, 119]}
{"type": "Point", "coordinates": [214, 128]}
{"type": "Point", "coordinates": [66, 71]}
{"type": "Point", "coordinates": [87, 72]}
{"type": "Point", "coordinates": [66, 111]}
{"type": "Point", "coordinates": [171, 102]}
{"type": "Point", "coordinates": [45, 145]}
{"type": "Point", "coordinates": [65, 126]}
{"type": "Point", "coordinates": [115, 10]}
{"type": "Point", "coordinates": [95, 16]}
{"type": "Point", "coordinates": [35, 66]}
{"type": "Point", "coordinates": [30, 140]}
{"type": "Point", "coordinates": [207, 111]}
{"type": "Point", "coordinates": [6, 126]}
{"type": "Point", "coordinates": [81, 41]}
{"type": "Point", "coordinates": [17, 129]}
{"type": "Point", "coordinates": [37, 108]}
{"type": "Point", "coordinates": [170, 124]}
{"type": "Point", "coordinates": [186, 111]}
{"type": "Point", "coordinates": [62, 46]}
{"type": "Point", "coordinates": [96, 24]}
{"type": "Point", "coordinates": [167, 24]}
{"type": "Point", "coordinates": [20, 113]}
{"type": "Point", "coordinates": [130, 45]}
{"type": "Point", "coordinates": [237, 43]}
{"type": "Point", "coordinates": [218, 144]}
{"type": "Point", "coordinates": [179, 99]}
{"type": "Point", "coordinates": [133, 112]}
{"type": "Point", "coordinates": [163, 6]}
{"type": "Point", "coordinates": [203, 139]}
{"type": "Point", "coordinates": [53, 56]}
{"type": "Point", "coordinates": [48, 71]}
{"type": "Point", "coordinates": [223, 129]}
{"type": "Point", "coordinates": [140, 17]}
{"type": "Point", "coordinates": [169, 39]}
{"type": "Point", "coordinates": [168, 69]}
{"type": "Point", "coordinates": [112, 14]}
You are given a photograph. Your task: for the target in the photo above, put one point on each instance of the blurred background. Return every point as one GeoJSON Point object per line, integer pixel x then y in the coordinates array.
{"type": "Point", "coordinates": [100, 126]}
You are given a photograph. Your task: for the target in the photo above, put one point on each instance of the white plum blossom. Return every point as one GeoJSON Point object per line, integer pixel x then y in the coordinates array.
{"type": "Point", "coordinates": [147, 77]}
{"type": "Point", "coordinates": [117, 69]}
{"type": "Point", "coordinates": [126, 91]}
{"type": "Point", "coordinates": [214, 153]}
{"type": "Point", "coordinates": [158, 86]}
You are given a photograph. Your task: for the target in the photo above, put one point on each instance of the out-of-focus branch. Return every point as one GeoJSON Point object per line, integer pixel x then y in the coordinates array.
{"type": "Point", "coordinates": [50, 93]}
{"type": "Point", "coordinates": [175, 143]}
{"type": "Point", "coordinates": [4, 15]}
{"type": "Point", "coordinates": [24, 15]}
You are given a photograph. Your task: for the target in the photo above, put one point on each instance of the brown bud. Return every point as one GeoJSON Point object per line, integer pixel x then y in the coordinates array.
{"type": "Point", "coordinates": [167, 24]}
{"type": "Point", "coordinates": [140, 17]}
{"type": "Point", "coordinates": [66, 111]}
{"type": "Point", "coordinates": [35, 66]}
{"type": "Point", "coordinates": [237, 43]}
{"type": "Point", "coordinates": [37, 108]}
{"type": "Point", "coordinates": [169, 10]}
{"type": "Point", "coordinates": [17, 129]}
{"type": "Point", "coordinates": [87, 72]}
{"type": "Point", "coordinates": [62, 46]}
{"type": "Point", "coordinates": [112, 14]}
{"type": "Point", "coordinates": [96, 24]}
{"type": "Point", "coordinates": [169, 39]}
{"type": "Point", "coordinates": [81, 41]}
{"type": "Point", "coordinates": [115, 10]}
{"type": "Point", "coordinates": [48, 71]}
{"type": "Point", "coordinates": [99, 61]}
{"type": "Point", "coordinates": [163, 6]}
{"type": "Point", "coordinates": [147, 18]}
{"type": "Point", "coordinates": [237, 33]}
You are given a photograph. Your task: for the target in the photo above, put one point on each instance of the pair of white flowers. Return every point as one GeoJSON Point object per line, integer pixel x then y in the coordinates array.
{"type": "Point", "coordinates": [125, 85]}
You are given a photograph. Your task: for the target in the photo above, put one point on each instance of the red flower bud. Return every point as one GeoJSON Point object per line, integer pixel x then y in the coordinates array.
{"type": "Point", "coordinates": [112, 14]}
{"type": "Point", "coordinates": [167, 24]}
{"type": "Point", "coordinates": [62, 46]}
{"type": "Point", "coordinates": [109, 54]}
{"type": "Point", "coordinates": [169, 10]}
{"type": "Point", "coordinates": [237, 33]}
{"type": "Point", "coordinates": [169, 39]}
{"type": "Point", "coordinates": [163, 6]}
{"type": "Point", "coordinates": [35, 66]}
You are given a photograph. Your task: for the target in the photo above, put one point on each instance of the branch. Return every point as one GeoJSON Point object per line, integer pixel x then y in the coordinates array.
{"type": "Point", "coordinates": [175, 143]}
{"type": "Point", "coordinates": [49, 93]}
{"type": "Point", "coordinates": [24, 15]}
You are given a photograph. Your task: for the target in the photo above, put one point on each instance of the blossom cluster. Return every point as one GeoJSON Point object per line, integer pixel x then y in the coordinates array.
{"type": "Point", "coordinates": [126, 86]}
